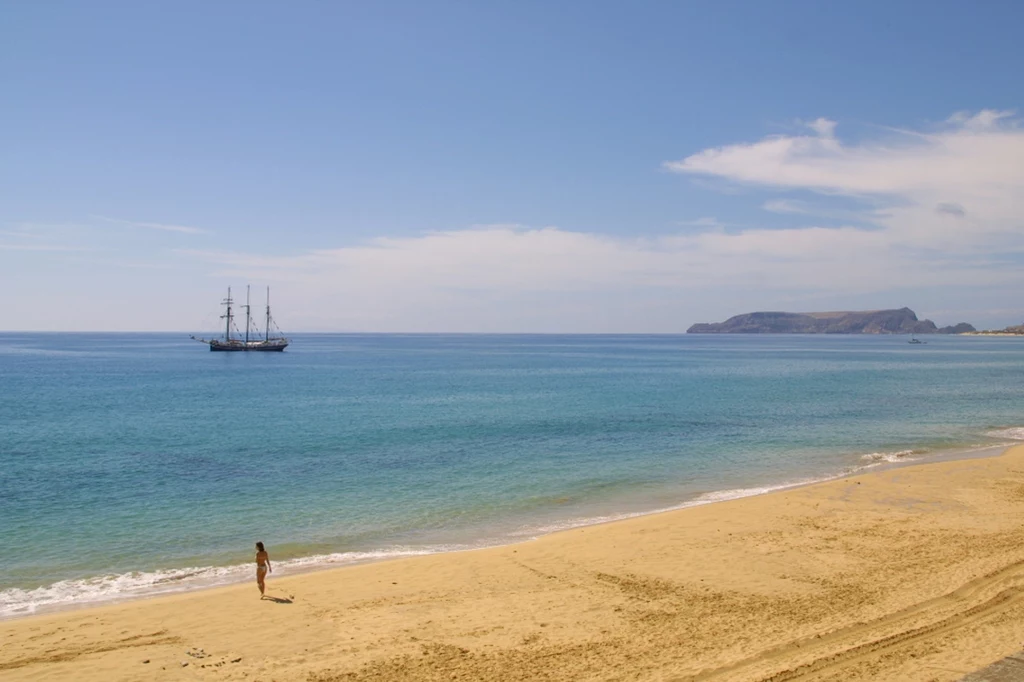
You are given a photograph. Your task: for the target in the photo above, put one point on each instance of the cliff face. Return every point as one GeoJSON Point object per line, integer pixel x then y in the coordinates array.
{"type": "Point", "coordinates": [901, 321]}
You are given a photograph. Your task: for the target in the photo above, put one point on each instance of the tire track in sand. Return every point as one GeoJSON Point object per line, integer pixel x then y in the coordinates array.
{"type": "Point", "coordinates": [972, 602]}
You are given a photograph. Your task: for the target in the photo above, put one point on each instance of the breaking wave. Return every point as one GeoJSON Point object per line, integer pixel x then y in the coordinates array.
{"type": "Point", "coordinates": [1013, 433]}
{"type": "Point", "coordinates": [106, 588]}
{"type": "Point", "coordinates": [875, 458]}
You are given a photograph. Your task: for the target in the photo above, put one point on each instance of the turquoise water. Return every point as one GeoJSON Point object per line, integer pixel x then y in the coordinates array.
{"type": "Point", "coordinates": [142, 463]}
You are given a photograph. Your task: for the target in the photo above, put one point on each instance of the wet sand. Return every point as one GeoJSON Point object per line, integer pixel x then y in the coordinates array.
{"type": "Point", "coordinates": [914, 573]}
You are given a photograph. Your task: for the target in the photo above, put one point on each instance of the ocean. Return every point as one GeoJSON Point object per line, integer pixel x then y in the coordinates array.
{"type": "Point", "coordinates": [136, 464]}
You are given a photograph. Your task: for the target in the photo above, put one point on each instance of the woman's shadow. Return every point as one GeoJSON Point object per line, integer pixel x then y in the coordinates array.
{"type": "Point", "coordinates": [277, 600]}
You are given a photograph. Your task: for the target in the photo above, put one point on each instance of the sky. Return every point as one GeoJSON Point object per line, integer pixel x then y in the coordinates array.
{"type": "Point", "coordinates": [534, 167]}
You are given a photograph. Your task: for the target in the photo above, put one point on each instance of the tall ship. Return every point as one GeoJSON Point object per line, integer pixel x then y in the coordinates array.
{"type": "Point", "coordinates": [251, 340]}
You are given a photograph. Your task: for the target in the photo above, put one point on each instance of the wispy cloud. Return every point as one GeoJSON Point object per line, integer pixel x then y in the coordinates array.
{"type": "Point", "coordinates": [823, 127]}
{"type": "Point", "coordinates": [706, 222]}
{"type": "Point", "coordinates": [959, 188]}
{"type": "Point", "coordinates": [42, 247]}
{"type": "Point", "coordinates": [183, 229]}
{"type": "Point", "coordinates": [953, 209]}
{"type": "Point", "coordinates": [45, 237]}
{"type": "Point", "coordinates": [937, 210]}
{"type": "Point", "coordinates": [922, 218]}
{"type": "Point", "coordinates": [986, 119]}
{"type": "Point", "coordinates": [808, 210]}
{"type": "Point", "coordinates": [971, 156]}
{"type": "Point", "coordinates": [509, 261]}
{"type": "Point", "coordinates": [790, 206]}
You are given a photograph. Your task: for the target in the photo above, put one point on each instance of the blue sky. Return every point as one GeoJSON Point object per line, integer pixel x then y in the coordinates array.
{"type": "Point", "coordinates": [508, 167]}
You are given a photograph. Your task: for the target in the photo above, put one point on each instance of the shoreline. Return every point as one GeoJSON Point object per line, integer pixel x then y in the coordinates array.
{"type": "Point", "coordinates": [990, 334]}
{"type": "Point", "coordinates": [912, 572]}
{"type": "Point", "coordinates": [153, 584]}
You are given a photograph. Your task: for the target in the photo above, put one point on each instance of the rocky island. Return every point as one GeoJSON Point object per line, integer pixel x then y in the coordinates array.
{"type": "Point", "coordinates": [1013, 330]}
{"type": "Point", "coordinates": [897, 321]}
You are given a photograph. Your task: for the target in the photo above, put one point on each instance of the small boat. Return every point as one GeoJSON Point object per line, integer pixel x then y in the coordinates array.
{"type": "Point", "coordinates": [251, 340]}
{"type": "Point", "coordinates": [913, 339]}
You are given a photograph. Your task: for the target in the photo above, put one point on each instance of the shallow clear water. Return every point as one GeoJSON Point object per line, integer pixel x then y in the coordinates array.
{"type": "Point", "coordinates": [134, 463]}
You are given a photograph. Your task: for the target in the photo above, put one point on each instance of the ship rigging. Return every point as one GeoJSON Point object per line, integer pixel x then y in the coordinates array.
{"type": "Point", "coordinates": [250, 340]}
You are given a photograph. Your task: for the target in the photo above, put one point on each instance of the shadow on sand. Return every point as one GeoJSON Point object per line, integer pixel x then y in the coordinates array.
{"type": "Point", "coordinates": [276, 600]}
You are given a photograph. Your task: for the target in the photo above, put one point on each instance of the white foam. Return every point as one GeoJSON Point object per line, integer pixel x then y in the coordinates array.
{"type": "Point", "coordinates": [705, 498]}
{"type": "Point", "coordinates": [737, 493]}
{"type": "Point", "coordinates": [876, 458]}
{"type": "Point", "coordinates": [68, 593]}
{"type": "Point", "coordinates": [15, 601]}
{"type": "Point", "coordinates": [1013, 433]}
{"type": "Point", "coordinates": [871, 460]}
{"type": "Point", "coordinates": [65, 593]}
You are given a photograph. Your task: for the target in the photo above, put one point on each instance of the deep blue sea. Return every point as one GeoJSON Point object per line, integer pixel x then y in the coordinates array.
{"type": "Point", "coordinates": [133, 464]}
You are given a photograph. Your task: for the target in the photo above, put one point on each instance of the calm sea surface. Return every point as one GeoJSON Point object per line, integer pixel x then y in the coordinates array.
{"type": "Point", "coordinates": [141, 463]}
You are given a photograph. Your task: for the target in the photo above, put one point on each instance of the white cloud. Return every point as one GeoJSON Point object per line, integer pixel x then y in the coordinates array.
{"type": "Point", "coordinates": [965, 159]}
{"type": "Point", "coordinates": [940, 209]}
{"type": "Point", "coordinates": [42, 247]}
{"type": "Point", "coordinates": [940, 218]}
{"type": "Point", "coordinates": [508, 279]}
{"type": "Point", "coordinates": [45, 237]}
{"type": "Point", "coordinates": [986, 119]}
{"type": "Point", "coordinates": [183, 229]}
{"type": "Point", "coordinates": [786, 206]}
{"type": "Point", "coordinates": [518, 259]}
{"type": "Point", "coordinates": [706, 221]}
{"type": "Point", "coordinates": [823, 126]}
{"type": "Point", "coordinates": [959, 188]}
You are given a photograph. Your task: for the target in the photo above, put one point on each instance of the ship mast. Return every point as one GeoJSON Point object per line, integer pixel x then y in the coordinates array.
{"type": "Point", "coordinates": [247, 323]}
{"type": "Point", "coordinates": [227, 315]}
{"type": "Point", "coordinates": [267, 328]}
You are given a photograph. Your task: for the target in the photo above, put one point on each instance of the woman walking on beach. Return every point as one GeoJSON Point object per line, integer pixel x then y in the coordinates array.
{"type": "Point", "coordinates": [262, 567]}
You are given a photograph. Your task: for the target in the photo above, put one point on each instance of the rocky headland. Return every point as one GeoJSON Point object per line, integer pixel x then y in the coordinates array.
{"type": "Point", "coordinates": [1013, 330]}
{"type": "Point", "coordinates": [897, 321]}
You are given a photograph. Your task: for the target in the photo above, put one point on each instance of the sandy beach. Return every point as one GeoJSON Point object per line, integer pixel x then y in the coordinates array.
{"type": "Point", "coordinates": [914, 573]}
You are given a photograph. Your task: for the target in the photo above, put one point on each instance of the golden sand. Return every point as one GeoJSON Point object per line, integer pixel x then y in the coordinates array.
{"type": "Point", "coordinates": [906, 574]}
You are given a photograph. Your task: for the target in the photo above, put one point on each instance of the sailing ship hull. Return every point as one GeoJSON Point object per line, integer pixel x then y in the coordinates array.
{"type": "Point", "coordinates": [271, 344]}
{"type": "Point", "coordinates": [242, 346]}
